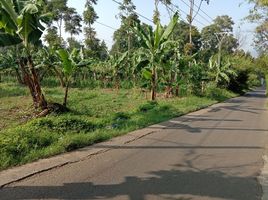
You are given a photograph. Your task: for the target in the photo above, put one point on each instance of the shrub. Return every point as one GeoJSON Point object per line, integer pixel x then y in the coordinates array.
{"type": "Point", "coordinates": [148, 106]}
{"type": "Point", "coordinates": [64, 124]}
{"type": "Point", "coordinates": [217, 94]}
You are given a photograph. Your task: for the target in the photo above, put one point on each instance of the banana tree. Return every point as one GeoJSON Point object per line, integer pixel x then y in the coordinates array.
{"type": "Point", "coordinates": [9, 62]}
{"type": "Point", "coordinates": [68, 68]}
{"type": "Point", "coordinates": [170, 69]}
{"type": "Point", "coordinates": [48, 60]}
{"type": "Point", "coordinates": [154, 44]}
{"type": "Point", "coordinates": [70, 62]}
{"type": "Point", "coordinates": [221, 73]}
{"type": "Point", "coordinates": [20, 23]}
{"type": "Point", "coordinates": [118, 63]}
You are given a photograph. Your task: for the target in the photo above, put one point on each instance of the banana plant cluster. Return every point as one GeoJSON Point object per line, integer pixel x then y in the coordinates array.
{"type": "Point", "coordinates": [70, 61]}
{"type": "Point", "coordinates": [20, 23]}
{"type": "Point", "coordinates": [155, 43]}
{"type": "Point", "coordinates": [221, 73]}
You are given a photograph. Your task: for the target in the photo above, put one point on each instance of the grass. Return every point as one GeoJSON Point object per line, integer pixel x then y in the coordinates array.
{"type": "Point", "coordinates": [96, 115]}
{"type": "Point", "coordinates": [266, 83]}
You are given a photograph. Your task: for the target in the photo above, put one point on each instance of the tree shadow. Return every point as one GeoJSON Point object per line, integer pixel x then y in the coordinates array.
{"type": "Point", "coordinates": [202, 119]}
{"type": "Point", "coordinates": [240, 108]}
{"type": "Point", "coordinates": [257, 93]}
{"type": "Point", "coordinates": [165, 184]}
{"type": "Point", "coordinates": [178, 124]}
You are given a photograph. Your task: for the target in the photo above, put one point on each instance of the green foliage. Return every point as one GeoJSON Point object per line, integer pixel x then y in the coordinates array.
{"type": "Point", "coordinates": [95, 116]}
{"type": "Point", "coordinates": [121, 116]}
{"type": "Point", "coordinates": [248, 72]}
{"type": "Point", "coordinates": [64, 125]}
{"type": "Point", "coordinates": [141, 59]}
{"type": "Point", "coordinates": [148, 106]}
{"type": "Point", "coordinates": [67, 62]}
{"type": "Point", "coordinates": [181, 34]}
{"type": "Point", "coordinates": [155, 45]}
{"type": "Point", "coordinates": [52, 38]}
{"type": "Point", "coordinates": [222, 73]}
{"type": "Point", "coordinates": [212, 34]}
{"type": "Point", "coordinates": [21, 23]}
{"type": "Point", "coordinates": [266, 82]}
{"type": "Point", "coordinates": [213, 92]}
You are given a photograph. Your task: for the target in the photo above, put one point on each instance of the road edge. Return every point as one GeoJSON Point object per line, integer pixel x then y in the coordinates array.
{"type": "Point", "coordinates": [19, 173]}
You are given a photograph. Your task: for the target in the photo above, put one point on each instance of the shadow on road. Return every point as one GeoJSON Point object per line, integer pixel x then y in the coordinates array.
{"type": "Point", "coordinates": [178, 183]}
{"type": "Point", "coordinates": [173, 184]}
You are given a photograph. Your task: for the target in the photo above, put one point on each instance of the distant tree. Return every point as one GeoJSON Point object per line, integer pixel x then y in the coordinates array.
{"type": "Point", "coordinates": [73, 43]}
{"type": "Point", "coordinates": [128, 17]}
{"type": "Point", "coordinates": [72, 22]}
{"type": "Point", "coordinates": [58, 9]}
{"type": "Point", "coordinates": [212, 36]}
{"type": "Point", "coordinates": [261, 37]}
{"type": "Point", "coordinates": [124, 39]}
{"type": "Point", "coordinates": [259, 16]}
{"type": "Point", "coordinates": [191, 17]}
{"type": "Point", "coordinates": [93, 46]}
{"type": "Point", "coordinates": [52, 38]}
{"type": "Point", "coordinates": [181, 34]}
{"type": "Point", "coordinates": [9, 57]}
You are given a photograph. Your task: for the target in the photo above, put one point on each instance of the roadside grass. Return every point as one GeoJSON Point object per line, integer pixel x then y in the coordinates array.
{"type": "Point", "coordinates": [266, 83]}
{"type": "Point", "coordinates": [96, 115]}
{"type": "Point", "coordinates": [15, 106]}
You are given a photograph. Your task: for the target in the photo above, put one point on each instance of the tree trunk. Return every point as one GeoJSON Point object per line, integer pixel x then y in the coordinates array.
{"type": "Point", "coordinates": [27, 80]}
{"type": "Point", "coordinates": [168, 93]}
{"type": "Point", "coordinates": [41, 101]}
{"type": "Point", "coordinates": [177, 91]}
{"type": "Point", "coordinates": [66, 93]}
{"type": "Point", "coordinates": [117, 84]}
{"type": "Point", "coordinates": [153, 85]}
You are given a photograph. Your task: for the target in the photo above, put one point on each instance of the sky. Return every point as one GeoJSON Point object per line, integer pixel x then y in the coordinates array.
{"type": "Point", "coordinates": [107, 11]}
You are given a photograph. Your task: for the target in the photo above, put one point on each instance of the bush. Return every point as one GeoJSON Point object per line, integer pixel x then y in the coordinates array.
{"type": "Point", "coordinates": [148, 106]}
{"type": "Point", "coordinates": [253, 80]}
{"type": "Point", "coordinates": [121, 116]}
{"type": "Point", "coordinates": [240, 83]}
{"type": "Point", "coordinates": [217, 94]}
{"type": "Point", "coordinates": [18, 144]}
{"type": "Point", "coordinates": [64, 124]}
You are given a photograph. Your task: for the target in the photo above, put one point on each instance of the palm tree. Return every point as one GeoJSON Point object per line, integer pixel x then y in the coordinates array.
{"type": "Point", "coordinates": [72, 22]}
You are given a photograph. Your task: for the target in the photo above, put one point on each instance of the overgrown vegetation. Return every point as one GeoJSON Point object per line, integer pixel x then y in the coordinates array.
{"type": "Point", "coordinates": [95, 116]}
{"type": "Point", "coordinates": [71, 93]}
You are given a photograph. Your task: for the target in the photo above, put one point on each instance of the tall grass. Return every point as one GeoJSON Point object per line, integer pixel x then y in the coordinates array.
{"type": "Point", "coordinates": [96, 115]}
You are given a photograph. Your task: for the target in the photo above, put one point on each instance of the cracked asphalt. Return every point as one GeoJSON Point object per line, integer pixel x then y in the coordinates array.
{"type": "Point", "coordinates": [214, 155]}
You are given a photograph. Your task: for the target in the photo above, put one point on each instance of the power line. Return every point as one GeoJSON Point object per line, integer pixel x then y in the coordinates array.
{"type": "Point", "coordinates": [105, 25]}
{"type": "Point", "coordinates": [119, 3]}
{"type": "Point", "coordinates": [204, 12]}
{"type": "Point", "coordinates": [177, 7]}
{"type": "Point", "coordinates": [199, 8]}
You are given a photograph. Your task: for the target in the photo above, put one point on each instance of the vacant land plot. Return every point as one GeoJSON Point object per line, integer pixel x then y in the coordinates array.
{"type": "Point", "coordinates": [96, 115]}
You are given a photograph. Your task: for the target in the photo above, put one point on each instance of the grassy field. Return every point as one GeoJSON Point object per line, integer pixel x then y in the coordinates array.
{"type": "Point", "coordinates": [95, 116]}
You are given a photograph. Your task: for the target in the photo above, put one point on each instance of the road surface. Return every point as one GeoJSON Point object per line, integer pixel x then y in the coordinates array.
{"type": "Point", "coordinates": [214, 155]}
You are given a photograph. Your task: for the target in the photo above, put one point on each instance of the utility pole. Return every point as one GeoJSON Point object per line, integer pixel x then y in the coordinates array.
{"type": "Point", "coordinates": [192, 15]}
{"type": "Point", "coordinates": [191, 19]}
{"type": "Point", "coordinates": [220, 37]}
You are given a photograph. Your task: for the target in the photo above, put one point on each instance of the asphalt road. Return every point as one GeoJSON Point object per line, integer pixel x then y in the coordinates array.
{"type": "Point", "coordinates": [216, 155]}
